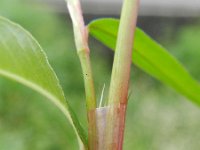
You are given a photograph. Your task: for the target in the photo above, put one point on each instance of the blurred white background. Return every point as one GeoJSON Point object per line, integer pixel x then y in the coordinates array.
{"type": "Point", "coordinates": [179, 8]}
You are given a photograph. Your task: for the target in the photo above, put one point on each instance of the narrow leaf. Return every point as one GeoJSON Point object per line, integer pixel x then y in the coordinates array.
{"type": "Point", "coordinates": [23, 60]}
{"type": "Point", "coordinates": [150, 57]}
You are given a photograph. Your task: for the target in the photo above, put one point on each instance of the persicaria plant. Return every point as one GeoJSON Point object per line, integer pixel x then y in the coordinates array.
{"type": "Point", "coordinates": [23, 60]}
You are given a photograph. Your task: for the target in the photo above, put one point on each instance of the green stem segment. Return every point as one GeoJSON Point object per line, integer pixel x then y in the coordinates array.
{"type": "Point", "coordinates": [90, 99]}
{"type": "Point", "coordinates": [117, 100]}
{"type": "Point", "coordinates": [123, 54]}
{"type": "Point", "coordinates": [88, 79]}
{"type": "Point", "coordinates": [81, 40]}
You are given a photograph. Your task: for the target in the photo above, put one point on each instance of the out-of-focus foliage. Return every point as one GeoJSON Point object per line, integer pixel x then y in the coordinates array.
{"type": "Point", "coordinates": [158, 119]}
{"type": "Point", "coordinates": [186, 47]}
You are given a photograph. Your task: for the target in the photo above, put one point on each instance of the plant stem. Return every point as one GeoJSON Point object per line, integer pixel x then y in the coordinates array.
{"type": "Point", "coordinates": [121, 74]}
{"type": "Point", "coordinates": [90, 99]}
{"type": "Point", "coordinates": [88, 80]}
{"type": "Point", "coordinates": [123, 54]}
{"type": "Point", "coordinates": [81, 40]}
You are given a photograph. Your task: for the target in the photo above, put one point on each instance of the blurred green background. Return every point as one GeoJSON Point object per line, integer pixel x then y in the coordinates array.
{"type": "Point", "coordinates": [158, 118]}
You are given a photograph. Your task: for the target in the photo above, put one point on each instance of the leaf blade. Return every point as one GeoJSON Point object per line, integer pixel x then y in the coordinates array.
{"type": "Point", "coordinates": [23, 60]}
{"type": "Point", "coordinates": [150, 57]}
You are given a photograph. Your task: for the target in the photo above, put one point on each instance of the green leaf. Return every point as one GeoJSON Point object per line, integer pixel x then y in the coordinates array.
{"type": "Point", "coordinates": [150, 57]}
{"type": "Point", "coordinates": [23, 60]}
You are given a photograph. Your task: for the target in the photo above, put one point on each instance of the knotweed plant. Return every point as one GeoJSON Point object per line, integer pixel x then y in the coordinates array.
{"type": "Point", "coordinates": [23, 60]}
